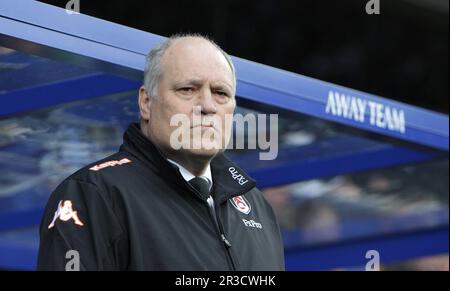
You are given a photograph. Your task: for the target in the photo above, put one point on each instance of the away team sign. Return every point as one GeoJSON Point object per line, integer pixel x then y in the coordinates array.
{"type": "Point", "coordinates": [365, 111]}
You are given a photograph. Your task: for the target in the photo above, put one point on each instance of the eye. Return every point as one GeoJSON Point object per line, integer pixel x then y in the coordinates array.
{"type": "Point", "coordinates": [222, 97]}
{"type": "Point", "coordinates": [186, 89]}
{"type": "Point", "coordinates": [222, 93]}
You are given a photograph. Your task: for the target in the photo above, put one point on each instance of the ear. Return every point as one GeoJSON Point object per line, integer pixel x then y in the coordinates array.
{"type": "Point", "coordinates": [144, 104]}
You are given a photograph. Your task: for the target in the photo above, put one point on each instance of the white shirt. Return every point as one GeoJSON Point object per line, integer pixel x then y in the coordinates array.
{"type": "Point", "coordinates": [189, 176]}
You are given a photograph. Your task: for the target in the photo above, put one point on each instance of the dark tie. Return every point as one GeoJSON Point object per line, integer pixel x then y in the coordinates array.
{"type": "Point", "coordinates": [201, 185]}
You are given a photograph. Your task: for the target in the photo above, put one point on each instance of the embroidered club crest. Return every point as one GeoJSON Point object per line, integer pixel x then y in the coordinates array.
{"type": "Point", "coordinates": [241, 204]}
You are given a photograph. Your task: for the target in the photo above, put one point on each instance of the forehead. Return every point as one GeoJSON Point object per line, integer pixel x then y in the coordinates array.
{"type": "Point", "coordinates": [195, 58]}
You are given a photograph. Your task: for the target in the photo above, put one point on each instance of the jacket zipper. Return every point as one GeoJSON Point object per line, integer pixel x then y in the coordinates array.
{"type": "Point", "coordinates": [220, 232]}
{"type": "Point", "coordinates": [227, 244]}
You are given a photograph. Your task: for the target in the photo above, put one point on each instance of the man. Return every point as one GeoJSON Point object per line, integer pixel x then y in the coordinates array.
{"type": "Point", "coordinates": [157, 206]}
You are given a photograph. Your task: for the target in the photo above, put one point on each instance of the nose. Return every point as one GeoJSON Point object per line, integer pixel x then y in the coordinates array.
{"type": "Point", "coordinates": [207, 102]}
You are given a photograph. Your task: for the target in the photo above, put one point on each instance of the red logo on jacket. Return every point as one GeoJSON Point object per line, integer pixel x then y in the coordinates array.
{"type": "Point", "coordinates": [241, 204]}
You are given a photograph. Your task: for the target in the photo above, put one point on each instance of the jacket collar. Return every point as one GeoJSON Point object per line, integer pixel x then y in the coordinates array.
{"type": "Point", "coordinates": [229, 180]}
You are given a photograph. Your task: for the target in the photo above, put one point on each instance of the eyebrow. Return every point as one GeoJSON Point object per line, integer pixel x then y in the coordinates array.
{"type": "Point", "coordinates": [195, 82]}
{"type": "Point", "coordinates": [199, 82]}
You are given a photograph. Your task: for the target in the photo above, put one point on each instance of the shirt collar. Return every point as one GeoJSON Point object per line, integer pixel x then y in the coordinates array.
{"type": "Point", "coordinates": [189, 176]}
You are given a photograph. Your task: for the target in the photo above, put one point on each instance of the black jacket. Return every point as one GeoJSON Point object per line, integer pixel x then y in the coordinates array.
{"type": "Point", "coordinates": [134, 211]}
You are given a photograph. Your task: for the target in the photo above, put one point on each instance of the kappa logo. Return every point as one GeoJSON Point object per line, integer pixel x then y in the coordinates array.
{"type": "Point", "coordinates": [241, 204]}
{"type": "Point", "coordinates": [109, 164]}
{"type": "Point", "coordinates": [238, 177]}
{"type": "Point", "coordinates": [65, 212]}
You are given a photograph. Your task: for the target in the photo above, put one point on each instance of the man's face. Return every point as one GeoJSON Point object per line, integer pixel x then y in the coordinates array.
{"type": "Point", "coordinates": [197, 82]}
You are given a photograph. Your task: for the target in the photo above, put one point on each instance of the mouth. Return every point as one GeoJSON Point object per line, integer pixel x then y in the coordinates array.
{"type": "Point", "coordinates": [204, 126]}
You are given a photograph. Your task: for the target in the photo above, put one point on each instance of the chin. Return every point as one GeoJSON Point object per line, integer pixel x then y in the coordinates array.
{"type": "Point", "coordinates": [205, 152]}
{"type": "Point", "coordinates": [206, 149]}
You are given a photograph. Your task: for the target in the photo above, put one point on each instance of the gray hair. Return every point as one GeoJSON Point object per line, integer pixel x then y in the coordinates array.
{"type": "Point", "coordinates": [153, 72]}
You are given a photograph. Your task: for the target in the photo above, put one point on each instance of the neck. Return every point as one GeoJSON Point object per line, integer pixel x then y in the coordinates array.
{"type": "Point", "coordinates": [196, 164]}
